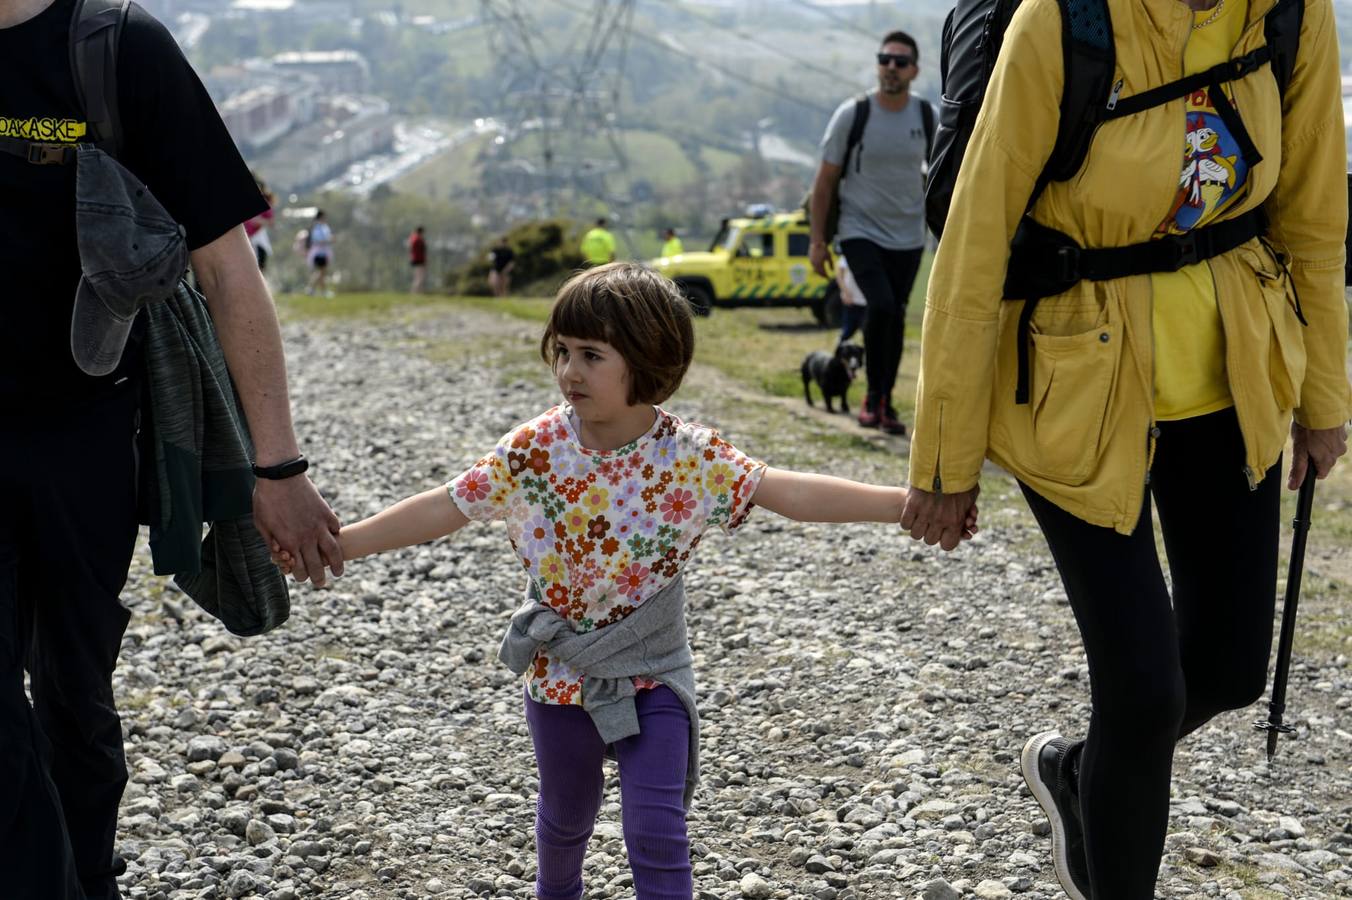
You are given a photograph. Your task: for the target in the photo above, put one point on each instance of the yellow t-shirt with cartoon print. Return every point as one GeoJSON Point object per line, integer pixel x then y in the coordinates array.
{"type": "Point", "coordinates": [1190, 377]}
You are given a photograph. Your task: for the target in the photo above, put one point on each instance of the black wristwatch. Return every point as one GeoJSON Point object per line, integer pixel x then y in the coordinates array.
{"type": "Point", "coordinates": [286, 469]}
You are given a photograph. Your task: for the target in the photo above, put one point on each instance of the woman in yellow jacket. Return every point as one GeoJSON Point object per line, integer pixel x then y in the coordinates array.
{"type": "Point", "coordinates": [1182, 385]}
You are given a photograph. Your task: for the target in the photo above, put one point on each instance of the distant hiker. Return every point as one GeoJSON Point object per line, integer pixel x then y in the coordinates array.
{"type": "Point", "coordinates": [598, 245]}
{"type": "Point", "coordinates": [877, 172]}
{"type": "Point", "coordinates": [501, 262]}
{"type": "Point", "coordinates": [417, 259]}
{"type": "Point", "coordinates": [671, 244]}
{"type": "Point", "coordinates": [853, 303]}
{"type": "Point", "coordinates": [319, 254]}
{"type": "Point", "coordinates": [258, 227]}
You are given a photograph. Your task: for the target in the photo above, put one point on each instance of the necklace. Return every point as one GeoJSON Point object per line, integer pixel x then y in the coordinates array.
{"type": "Point", "coordinates": [1215, 13]}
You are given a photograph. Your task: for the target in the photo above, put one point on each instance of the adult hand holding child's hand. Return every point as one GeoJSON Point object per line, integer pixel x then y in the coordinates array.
{"type": "Point", "coordinates": [292, 515]}
{"type": "Point", "coordinates": [943, 519]}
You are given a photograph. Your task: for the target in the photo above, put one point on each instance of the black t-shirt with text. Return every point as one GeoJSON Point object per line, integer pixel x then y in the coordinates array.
{"type": "Point", "coordinates": [174, 141]}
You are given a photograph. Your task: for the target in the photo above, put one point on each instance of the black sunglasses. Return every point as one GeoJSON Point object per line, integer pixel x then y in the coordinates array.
{"type": "Point", "coordinates": [900, 60]}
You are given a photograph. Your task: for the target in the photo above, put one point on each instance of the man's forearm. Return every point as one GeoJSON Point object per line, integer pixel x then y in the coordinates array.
{"type": "Point", "coordinates": [246, 323]}
{"type": "Point", "coordinates": [822, 189]}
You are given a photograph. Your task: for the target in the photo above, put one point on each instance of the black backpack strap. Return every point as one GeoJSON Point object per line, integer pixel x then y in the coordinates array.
{"type": "Point", "coordinates": [95, 30]}
{"type": "Point", "coordinates": [1090, 59]}
{"type": "Point", "coordinates": [1282, 31]}
{"type": "Point", "coordinates": [1281, 27]}
{"type": "Point", "coordinates": [1221, 73]}
{"type": "Point", "coordinates": [862, 106]}
{"type": "Point", "coordinates": [1210, 79]}
{"type": "Point", "coordinates": [927, 119]}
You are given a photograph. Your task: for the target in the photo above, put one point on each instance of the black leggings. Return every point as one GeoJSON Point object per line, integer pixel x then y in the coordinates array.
{"type": "Point", "coordinates": [1158, 671]}
{"type": "Point", "coordinates": [885, 278]}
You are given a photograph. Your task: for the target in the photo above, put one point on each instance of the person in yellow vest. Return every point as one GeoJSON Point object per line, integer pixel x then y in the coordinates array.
{"type": "Point", "coordinates": [598, 245]}
{"type": "Point", "coordinates": [1180, 387]}
{"type": "Point", "coordinates": [671, 244]}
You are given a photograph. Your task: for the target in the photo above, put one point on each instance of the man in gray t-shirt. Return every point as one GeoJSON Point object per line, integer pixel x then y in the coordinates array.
{"type": "Point", "coordinates": [882, 212]}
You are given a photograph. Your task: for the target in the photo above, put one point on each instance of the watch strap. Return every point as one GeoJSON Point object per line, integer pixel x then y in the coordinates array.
{"type": "Point", "coordinates": [288, 469]}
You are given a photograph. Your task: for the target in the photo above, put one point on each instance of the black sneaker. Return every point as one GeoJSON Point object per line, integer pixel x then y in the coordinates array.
{"type": "Point", "coordinates": [1045, 771]}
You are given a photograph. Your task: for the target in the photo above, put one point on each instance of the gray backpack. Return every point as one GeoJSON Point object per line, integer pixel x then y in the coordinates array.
{"type": "Point", "coordinates": [95, 32]}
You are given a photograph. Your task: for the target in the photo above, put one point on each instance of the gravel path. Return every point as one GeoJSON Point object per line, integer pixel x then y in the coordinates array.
{"type": "Point", "coordinates": [863, 698]}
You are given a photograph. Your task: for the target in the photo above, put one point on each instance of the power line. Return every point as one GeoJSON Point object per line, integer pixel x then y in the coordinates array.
{"type": "Point", "coordinates": [567, 95]}
{"type": "Point", "coordinates": [797, 60]}
{"type": "Point", "coordinates": [837, 18]}
{"type": "Point", "coordinates": [571, 99]}
{"type": "Point", "coordinates": [514, 23]}
{"type": "Point", "coordinates": [718, 67]}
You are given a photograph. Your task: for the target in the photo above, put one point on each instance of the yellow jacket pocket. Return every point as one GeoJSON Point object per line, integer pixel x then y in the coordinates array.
{"type": "Point", "coordinates": [1059, 434]}
{"type": "Point", "coordinates": [1276, 329]}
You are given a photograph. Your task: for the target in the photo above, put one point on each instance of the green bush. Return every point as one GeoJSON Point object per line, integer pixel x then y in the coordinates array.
{"type": "Point", "coordinates": [546, 253]}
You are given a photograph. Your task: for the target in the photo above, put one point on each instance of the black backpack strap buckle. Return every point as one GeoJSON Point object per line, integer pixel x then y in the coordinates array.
{"type": "Point", "coordinates": [1068, 263]}
{"type": "Point", "coordinates": [1188, 251]}
{"type": "Point", "coordinates": [47, 154]}
{"type": "Point", "coordinates": [1249, 62]}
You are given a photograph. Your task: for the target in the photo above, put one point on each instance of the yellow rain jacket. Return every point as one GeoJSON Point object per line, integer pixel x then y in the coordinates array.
{"type": "Point", "coordinates": [1086, 438]}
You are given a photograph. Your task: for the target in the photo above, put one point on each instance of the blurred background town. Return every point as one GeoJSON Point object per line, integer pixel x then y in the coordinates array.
{"type": "Point", "coordinates": [473, 117]}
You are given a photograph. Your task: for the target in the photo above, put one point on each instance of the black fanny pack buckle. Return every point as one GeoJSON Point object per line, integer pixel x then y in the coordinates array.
{"type": "Point", "coordinates": [46, 154]}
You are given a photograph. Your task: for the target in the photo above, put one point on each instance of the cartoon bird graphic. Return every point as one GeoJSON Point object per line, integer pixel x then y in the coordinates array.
{"type": "Point", "coordinates": [1210, 166]}
{"type": "Point", "coordinates": [1203, 164]}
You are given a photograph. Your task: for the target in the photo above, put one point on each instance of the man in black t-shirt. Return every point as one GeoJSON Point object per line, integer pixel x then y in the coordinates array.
{"type": "Point", "coordinates": [67, 440]}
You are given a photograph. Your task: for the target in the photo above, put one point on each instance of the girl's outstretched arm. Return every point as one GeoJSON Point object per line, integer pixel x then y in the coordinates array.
{"type": "Point", "coordinates": [413, 520]}
{"type": "Point", "coordinates": [807, 497]}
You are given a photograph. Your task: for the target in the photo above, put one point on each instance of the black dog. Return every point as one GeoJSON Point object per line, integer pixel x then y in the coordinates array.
{"type": "Point", "coordinates": [833, 373]}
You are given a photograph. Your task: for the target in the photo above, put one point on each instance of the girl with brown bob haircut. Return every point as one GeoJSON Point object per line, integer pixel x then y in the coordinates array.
{"type": "Point", "coordinates": [638, 312]}
{"type": "Point", "coordinates": [606, 496]}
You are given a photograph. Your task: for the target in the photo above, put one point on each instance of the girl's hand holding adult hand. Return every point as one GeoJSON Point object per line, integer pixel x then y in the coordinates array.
{"type": "Point", "coordinates": [285, 562]}
{"type": "Point", "coordinates": [292, 514]}
{"type": "Point", "coordinates": [1323, 446]}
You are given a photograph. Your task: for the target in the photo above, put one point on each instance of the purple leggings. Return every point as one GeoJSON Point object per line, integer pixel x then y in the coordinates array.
{"type": "Point", "coordinates": [569, 753]}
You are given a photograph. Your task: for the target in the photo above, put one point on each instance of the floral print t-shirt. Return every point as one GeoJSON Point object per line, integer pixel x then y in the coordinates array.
{"type": "Point", "coordinates": [601, 531]}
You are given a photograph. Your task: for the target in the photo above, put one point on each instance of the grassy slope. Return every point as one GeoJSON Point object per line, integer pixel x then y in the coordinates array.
{"type": "Point", "coordinates": [665, 164]}
{"type": "Point", "coordinates": [446, 173]}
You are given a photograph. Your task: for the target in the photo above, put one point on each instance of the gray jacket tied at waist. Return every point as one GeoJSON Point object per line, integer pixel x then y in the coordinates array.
{"type": "Point", "coordinates": [650, 642]}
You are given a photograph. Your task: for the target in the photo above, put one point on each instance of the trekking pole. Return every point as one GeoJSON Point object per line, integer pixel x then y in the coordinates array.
{"type": "Point", "coordinates": [1301, 526]}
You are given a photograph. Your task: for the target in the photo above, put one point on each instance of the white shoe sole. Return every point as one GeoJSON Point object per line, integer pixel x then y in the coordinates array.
{"type": "Point", "coordinates": [1028, 761]}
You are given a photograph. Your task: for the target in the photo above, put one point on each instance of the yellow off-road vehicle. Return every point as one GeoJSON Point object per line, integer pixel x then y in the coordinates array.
{"type": "Point", "coordinates": [755, 261]}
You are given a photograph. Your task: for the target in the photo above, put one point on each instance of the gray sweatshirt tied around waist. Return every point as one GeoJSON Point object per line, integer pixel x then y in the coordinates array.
{"type": "Point", "coordinates": [650, 642]}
